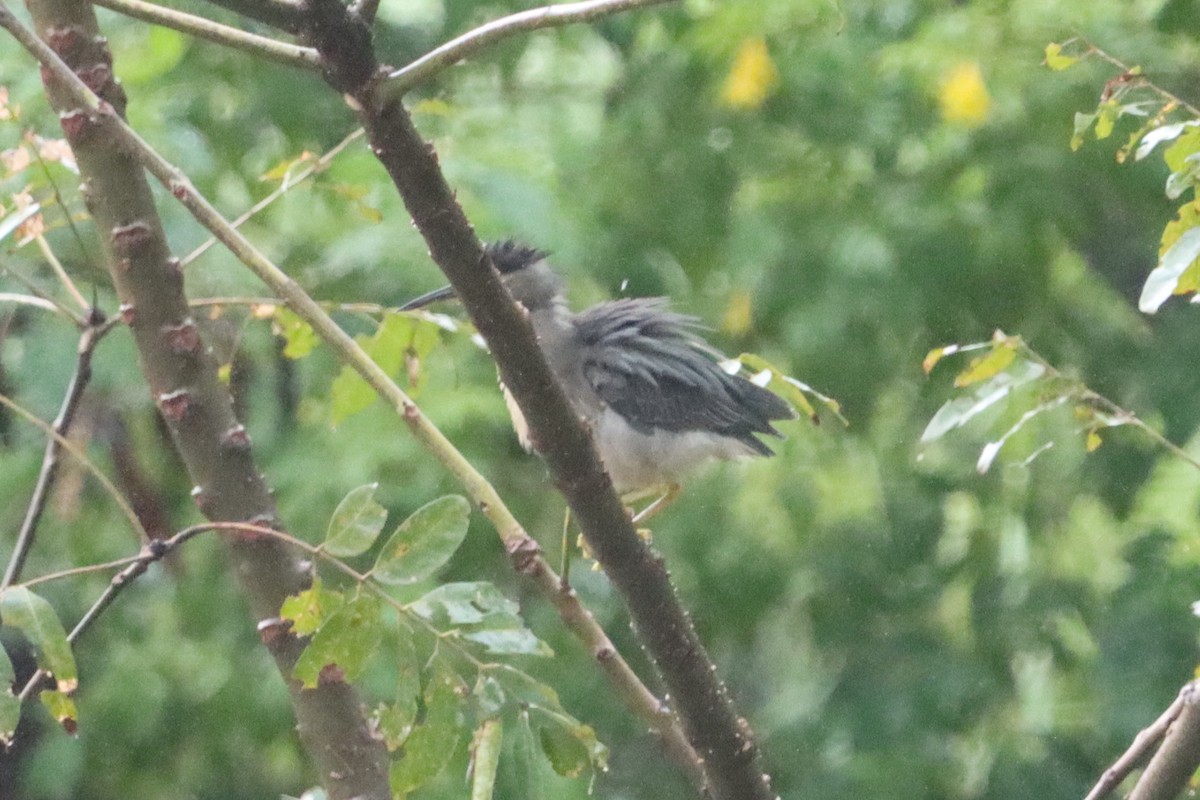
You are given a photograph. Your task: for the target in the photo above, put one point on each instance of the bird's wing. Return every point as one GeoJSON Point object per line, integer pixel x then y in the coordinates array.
{"type": "Point", "coordinates": [649, 365]}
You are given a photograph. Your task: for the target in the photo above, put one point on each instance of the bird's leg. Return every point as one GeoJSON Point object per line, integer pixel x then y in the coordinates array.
{"type": "Point", "coordinates": [668, 497]}
{"type": "Point", "coordinates": [564, 581]}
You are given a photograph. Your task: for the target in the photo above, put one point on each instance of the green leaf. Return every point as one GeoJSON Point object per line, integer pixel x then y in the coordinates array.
{"type": "Point", "coordinates": [432, 743]}
{"type": "Point", "coordinates": [1164, 279]}
{"type": "Point", "coordinates": [514, 641]}
{"type": "Point", "coordinates": [566, 754]}
{"type": "Point", "coordinates": [308, 610]}
{"type": "Point", "coordinates": [1106, 119]}
{"type": "Point", "coordinates": [524, 689]}
{"type": "Point", "coordinates": [340, 649]}
{"type": "Point", "coordinates": [356, 523]}
{"type": "Point", "coordinates": [351, 394]}
{"type": "Point", "coordinates": [21, 608]}
{"type": "Point", "coordinates": [299, 337]}
{"type": "Point", "coordinates": [571, 747]}
{"type": "Point", "coordinates": [1188, 144]}
{"type": "Point", "coordinates": [481, 614]}
{"type": "Point", "coordinates": [961, 410]}
{"type": "Point", "coordinates": [525, 758]}
{"type": "Point", "coordinates": [396, 721]}
{"type": "Point", "coordinates": [489, 697]}
{"type": "Point", "coordinates": [485, 758]}
{"type": "Point", "coordinates": [10, 706]}
{"type": "Point", "coordinates": [1083, 123]}
{"type": "Point", "coordinates": [791, 389]}
{"type": "Point", "coordinates": [424, 542]}
{"type": "Point", "coordinates": [463, 603]}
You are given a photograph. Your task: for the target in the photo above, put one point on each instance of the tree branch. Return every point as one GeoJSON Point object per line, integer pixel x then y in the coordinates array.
{"type": "Point", "coordinates": [1141, 746]}
{"type": "Point", "coordinates": [182, 375]}
{"type": "Point", "coordinates": [153, 551]}
{"type": "Point", "coordinates": [722, 738]}
{"type": "Point", "coordinates": [262, 46]}
{"type": "Point", "coordinates": [522, 548]}
{"type": "Point", "coordinates": [286, 15]}
{"type": "Point", "coordinates": [474, 41]}
{"type": "Point", "coordinates": [1169, 771]}
{"type": "Point", "coordinates": [91, 336]}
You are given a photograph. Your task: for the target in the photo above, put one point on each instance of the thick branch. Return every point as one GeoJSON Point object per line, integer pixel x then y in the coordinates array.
{"type": "Point", "coordinates": [719, 735]}
{"type": "Point", "coordinates": [488, 34]}
{"type": "Point", "coordinates": [183, 377]}
{"type": "Point", "coordinates": [1169, 771]}
{"type": "Point", "coordinates": [522, 549]}
{"type": "Point", "coordinates": [1142, 744]}
{"type": "Point", "coordinates": [262, 46]}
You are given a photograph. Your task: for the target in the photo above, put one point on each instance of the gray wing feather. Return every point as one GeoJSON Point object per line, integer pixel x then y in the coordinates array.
{"type": "Point", "coordinates": [650, 366]}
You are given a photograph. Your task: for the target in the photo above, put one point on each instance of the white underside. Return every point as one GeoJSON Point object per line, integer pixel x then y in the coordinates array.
{"type": "Point", "coordinates": [637, 461]}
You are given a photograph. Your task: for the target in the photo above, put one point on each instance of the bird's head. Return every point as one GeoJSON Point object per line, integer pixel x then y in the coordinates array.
{"type": "Point", "coordinates": [525, 273]}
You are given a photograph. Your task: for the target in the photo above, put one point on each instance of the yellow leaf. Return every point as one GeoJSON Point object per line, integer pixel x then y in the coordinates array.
{"type": "Point", "coordinates": [1055, 59]}
{"type": "Point", "coordinates": [932, 358]}
{"type": "Point", "coordinates": [737, 314]}
{"type": "Point", "coordinates": [963, 96]}
{"type": "Point", "coordinates": [985, 367]}
{"type": "Point", "coordinates": [752, 77]}
{"type": "Point", "coordinates": [1093, 441]}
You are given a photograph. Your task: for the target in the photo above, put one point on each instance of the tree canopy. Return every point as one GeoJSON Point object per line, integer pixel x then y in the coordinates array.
{"type": "Point", "coordinates": [989, 609]}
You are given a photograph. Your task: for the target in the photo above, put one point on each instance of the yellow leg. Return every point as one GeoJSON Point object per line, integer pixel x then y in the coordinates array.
{"type": "Point", "coordinates": [564, 572]}
{"type": "Point", "coordinates": [658, 505]}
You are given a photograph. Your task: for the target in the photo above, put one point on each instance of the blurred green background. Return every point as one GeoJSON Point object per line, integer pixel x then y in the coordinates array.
{"type": "Point", "coordinates": [837, 187]}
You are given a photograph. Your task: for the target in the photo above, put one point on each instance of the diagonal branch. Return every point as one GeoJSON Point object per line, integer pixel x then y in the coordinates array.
{"type": "Point", "coordinates": [721, 737]}
{"type": "Point", "coordinates": [182, 375]}
{"type": "Point", "coordinates": [1142, 744]}
{"type": "Point", "coordinates": [522, 548]}
{"type": "Point", "coordinates": [202, 28]}
{"type": "Point", "coordinates": [97, 326]}
{"type": "Point", "coordinates": [1168, 773]}
{"type": "Point", "coordinates": [486, 35]}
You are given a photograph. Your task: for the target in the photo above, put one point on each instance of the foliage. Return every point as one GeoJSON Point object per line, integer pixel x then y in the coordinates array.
{"type": "Point", "coordinates": [840, 187]}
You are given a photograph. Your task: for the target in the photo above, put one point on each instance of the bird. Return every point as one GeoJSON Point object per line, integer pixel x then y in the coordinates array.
{"type": "Point", "coordinates": [653, 391]}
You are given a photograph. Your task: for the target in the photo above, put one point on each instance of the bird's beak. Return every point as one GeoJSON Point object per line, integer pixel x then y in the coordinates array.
{"type": "Point", "coordinates": [445, 293]}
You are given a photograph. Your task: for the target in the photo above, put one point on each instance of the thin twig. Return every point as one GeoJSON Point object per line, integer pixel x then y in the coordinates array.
{"type": "Point", "coordinates": [262, 46]}
{"type": "Point", "coordinates": [1139, 749]}
{"type": "Point", "coordinates": [35, 290]}
{"type": "Point", "coordinates": [75, 572]}
{"type": "Point", "coordinates": [1089, 395]}
{"type": "Point", "coordinates": [91, 336]}
{"type": "Point", "coordinates": [320, 165]}
{"type": "Point", "coordinates": [154, 550]}
{"type": "Point", "coordinates": [522, 548]}
{"type": "Point", "coordinates": [1126, 69]}
{"type": "Point", "coordinates": [28, 300]}
{"type": "Point", "coordinates": [81, 457]}
{"type": "Point", "coordinates": [486, 35]}
{"type": "Point", "coordinates": [61, 273]}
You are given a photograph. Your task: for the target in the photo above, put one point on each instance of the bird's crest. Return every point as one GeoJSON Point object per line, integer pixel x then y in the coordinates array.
{"type": "Point", "coordinates": [510, 255]}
